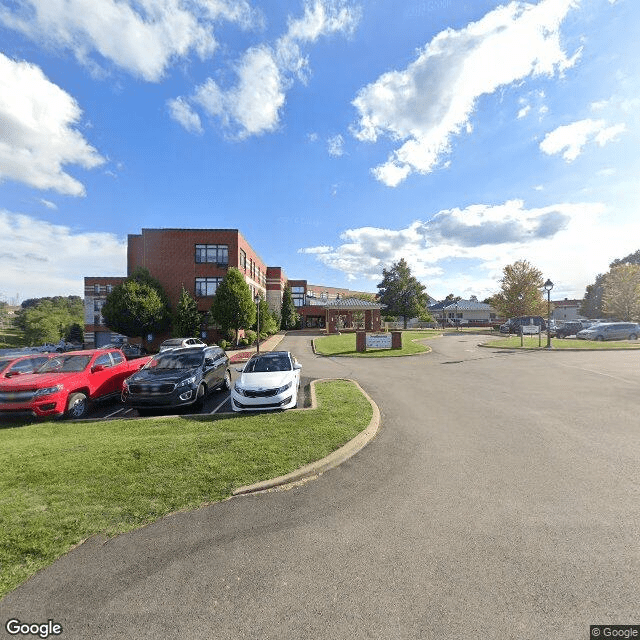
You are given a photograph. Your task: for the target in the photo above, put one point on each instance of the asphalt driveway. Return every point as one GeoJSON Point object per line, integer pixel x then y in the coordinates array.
{"type": "Point", "coordinates": [500, 499]}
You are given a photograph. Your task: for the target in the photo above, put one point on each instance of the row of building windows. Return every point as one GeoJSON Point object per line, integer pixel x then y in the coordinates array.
{"type": "Point", "coordinates": [216, 253]}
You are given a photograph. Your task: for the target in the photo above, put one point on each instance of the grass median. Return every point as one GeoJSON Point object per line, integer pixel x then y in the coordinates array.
{"type": "Point", "coordinates": [513, 342]}
{"type": "Point", "coordinates": [345, 345]}
{"type": "Point", "coordinates": [62, 482]}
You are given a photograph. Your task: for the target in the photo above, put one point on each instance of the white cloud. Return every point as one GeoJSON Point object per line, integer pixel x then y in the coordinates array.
{"type": "Point", "coordinates": [485, 238]}
{"type": "Point", "coordinates": [265, 73]}
{"type": "Point", "coordinates": [335, 146]}
{"type": "Point", "coordinates": [181, 112]}
{"type": "Point", "coordinates": [38, 258]}
{"type": "Point", "coordinates": [142, 37]}
{"type": "Point", "coordinates": [48, 204]}
{"type": "Point", "coordinates": [571, 138]}
{"type": "Point", "coordinates": [432, 100]}
{"type": "Point", "coordinates": [38, 139]}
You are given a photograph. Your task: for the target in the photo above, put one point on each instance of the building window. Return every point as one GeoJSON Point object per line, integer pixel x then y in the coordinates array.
{"type": "Point", "coordinates": [207, 286]}
{"type": "Point", "coordinates": [243, 259]}
{"type": "Point", "coordinates": [218, 253]}
{"type": "Point", "coordinates": [109, 288]}
{"type": "Point", "coordinates": [96, 288]}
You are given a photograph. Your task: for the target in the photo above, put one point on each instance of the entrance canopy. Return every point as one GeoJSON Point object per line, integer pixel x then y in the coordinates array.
{"type": "Point", "coordinates": [353, 313]}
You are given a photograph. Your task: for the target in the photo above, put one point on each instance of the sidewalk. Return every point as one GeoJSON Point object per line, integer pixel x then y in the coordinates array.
{"type": "Point", "coordinates": [242, 355]}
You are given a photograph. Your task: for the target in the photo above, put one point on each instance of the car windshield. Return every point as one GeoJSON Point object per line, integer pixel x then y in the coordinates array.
{"type": "Point", "coordinates": [268, 363]}
{"type": "Point", "coordinates": [67, 364]}
{"type": "Point", "coordinates": [175, 361]}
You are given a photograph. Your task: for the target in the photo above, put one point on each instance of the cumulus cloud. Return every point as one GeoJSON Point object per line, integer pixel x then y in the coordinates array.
{"type": "Point", "coordinates": [265, 72]}
{"type": "Point", "coordinates": [570, 139]}
{"type": "Point", "coordinates": [486, 237]}
{"type": "Point", "coordinates": [432, 100]}
{"type": "Point", "coordinates": [141, 37]}
{"type": "Point", "coordinates": [38, 138]}
{"type": "Point", "coordinates": [38, 258]}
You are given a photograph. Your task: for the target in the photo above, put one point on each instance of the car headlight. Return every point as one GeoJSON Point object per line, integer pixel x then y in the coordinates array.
{"type": "Point", "coordinates": [186, 382]}
{"type": "Point", "coordinates": [238, 389]}
{"type": "Point", "coordinates": [285, 387]}
{"type": "Point", "coordinates": [48, 391]}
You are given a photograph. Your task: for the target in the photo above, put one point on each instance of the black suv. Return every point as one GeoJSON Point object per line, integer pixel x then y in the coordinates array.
{"type": "Point", "coordinates": [178, 378]}
{"type": "Point", "coordinates": [569, 328]}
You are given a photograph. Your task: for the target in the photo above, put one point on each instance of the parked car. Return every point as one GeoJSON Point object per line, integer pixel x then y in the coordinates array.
{"type": "Point", "coordinates": [569, 328]}
{"type": "Point", "coordinates": [610, 331]}
{"type": "Point", "coordinates": [178, 378]}
{"type": "Point", "coordinates": [268, 381]}
{"type": "Point", "coordinates": [67, 382]}
{"type": "Point", "coordinates": [130, 350]}
{"type": "Point", "coordinates": [513, 325]}
{"type": "Point", "coordinates": [13, 365]}
{"type": "Point", "coordinates": [178, 343]}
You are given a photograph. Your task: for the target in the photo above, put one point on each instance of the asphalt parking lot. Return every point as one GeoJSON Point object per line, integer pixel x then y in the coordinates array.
{"type": "Point", "coordinates": [500, 499]}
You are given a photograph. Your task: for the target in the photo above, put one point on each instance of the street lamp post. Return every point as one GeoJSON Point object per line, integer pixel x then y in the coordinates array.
{"type": "Point", "coordinates": [257, 301]}
{"type": "Point", "coordinates": [548, 285]}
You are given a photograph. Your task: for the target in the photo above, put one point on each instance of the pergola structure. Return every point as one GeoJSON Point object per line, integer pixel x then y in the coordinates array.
{"type": "Point", "coordinates": [352, 314]}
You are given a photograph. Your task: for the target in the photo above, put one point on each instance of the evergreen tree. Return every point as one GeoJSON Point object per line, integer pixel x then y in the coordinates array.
{"type": "Point", "coordinates": [233, 306]}
{"type": "Point", "coordinates": [289, 317]}
{"type": "Point", "coordinates": [403, 294]}
{"type": "Point", "coordinates": [186, 319]}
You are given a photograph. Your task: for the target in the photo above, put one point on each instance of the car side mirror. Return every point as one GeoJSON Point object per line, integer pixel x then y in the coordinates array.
{"type": "Point", "coordinates": [208, 362]}
{"type": "Point", "coordinates": [297, 365]}
{"type": "Point", "coordinates": [97, 367]}
{"type": "Point", "coordinates": [239, 370]}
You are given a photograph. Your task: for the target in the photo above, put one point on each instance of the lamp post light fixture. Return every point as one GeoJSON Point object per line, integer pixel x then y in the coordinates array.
{"type": "Point", "coordinates": [548, 285]}
{"type": "Point", "coordinates": [257, 301]}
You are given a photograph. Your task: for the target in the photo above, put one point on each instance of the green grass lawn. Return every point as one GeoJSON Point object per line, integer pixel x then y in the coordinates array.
{"type": "Point", "coordinates": [345, 345]}
{"type": "Point", "coordinates": [531, 342]}
{"type": "Point", "coordinates": [61, 482]}
{"type": "Point", "coordinates": [11, 337]}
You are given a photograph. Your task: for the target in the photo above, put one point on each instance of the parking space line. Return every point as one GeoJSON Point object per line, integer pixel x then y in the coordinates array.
{"type": "Point", "coordinates": [220, 405]}
{"type": "Point", "coordinates": [115, 413]}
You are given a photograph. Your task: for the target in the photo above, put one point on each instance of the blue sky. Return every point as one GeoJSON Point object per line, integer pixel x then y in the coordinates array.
{"type": "Point", "coordinates": [338, 136]}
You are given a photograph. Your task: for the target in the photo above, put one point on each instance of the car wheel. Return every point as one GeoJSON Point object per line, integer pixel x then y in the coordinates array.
{"type": "Point", "coordinates": [633, 336]}
{"type": "Point", "coordinates": [226, 385]}
{"type": "Point", "coordinates": [77, 406]}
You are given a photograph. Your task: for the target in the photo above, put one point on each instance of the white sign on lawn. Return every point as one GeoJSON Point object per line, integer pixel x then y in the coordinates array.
{"type": "Point", "coordinates": [378, 341]}
{"type": "Point", "coordinates": [530, 328]}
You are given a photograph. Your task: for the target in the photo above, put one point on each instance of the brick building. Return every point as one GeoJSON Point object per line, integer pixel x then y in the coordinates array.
{"type": "Point", "coordinates": [198, 259]}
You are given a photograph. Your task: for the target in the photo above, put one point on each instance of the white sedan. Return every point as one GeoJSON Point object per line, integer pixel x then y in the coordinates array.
{"type": "Point", "coordinates": [267, 381]}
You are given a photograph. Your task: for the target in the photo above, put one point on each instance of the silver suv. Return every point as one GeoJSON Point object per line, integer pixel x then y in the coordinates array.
{"type": "Point", "coordinates": [610, 331]}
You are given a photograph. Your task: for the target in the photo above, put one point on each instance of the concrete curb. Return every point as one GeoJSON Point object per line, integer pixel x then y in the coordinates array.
{"type": "Point", "coordinates": [333, 459]}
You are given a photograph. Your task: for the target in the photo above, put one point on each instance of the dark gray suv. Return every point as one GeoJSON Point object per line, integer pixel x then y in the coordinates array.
{"type": "Point", "coordinates": [177, 378]}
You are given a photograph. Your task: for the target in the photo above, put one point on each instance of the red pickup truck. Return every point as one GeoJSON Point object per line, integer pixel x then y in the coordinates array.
{"type": "Point", "coordinates": [67, 383]}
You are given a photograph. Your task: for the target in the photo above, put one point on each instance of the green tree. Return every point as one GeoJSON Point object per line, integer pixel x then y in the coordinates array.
{"type": "Point", "coordinates": [233, 306]}
{"type": "Point", "coordinates": [592, 304]}
{"type": "Point", "coordinates": [621, 292]}
{"type": "Point", "coordinates": [289, 317]}
{"type": "Point", "coordinates": [186, 319]}
{"type": "Point", "coordinates": [136, 309]}
{"type": "Point", "coordinates": [403, 294]}
{"type": "Point", "coordinates": [49, 319]}
{"type": "Point", "coordinates": [268, 324]}
{"type": "Point", "coordinates": [521, 291]}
